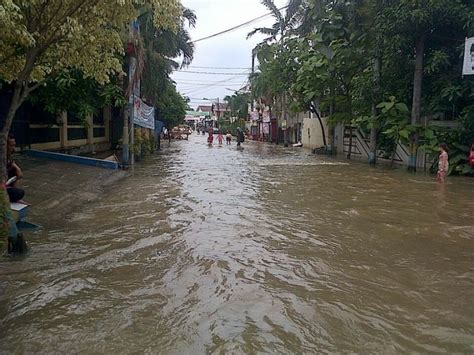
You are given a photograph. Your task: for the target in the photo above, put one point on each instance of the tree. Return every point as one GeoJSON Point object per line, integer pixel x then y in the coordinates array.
{"type": "Point", "coordinates": [238, 104]}
{"type": "Point", "coordinates": [333, 60]}
{"type": "Point", "coordinates": [161, 47]}
{"type": "Point", "coordinates": [284, 23]}
{"type": "Point", "coordinates": [40, 39]}
{"type": "Point", "coordinates": [281, 29]}
{"type": "Point", "coordinates": [70, 91]}
{"type": "Point", "coordinates": [170, 106]}
{"type": "Point", "coordinates": [416, 24]}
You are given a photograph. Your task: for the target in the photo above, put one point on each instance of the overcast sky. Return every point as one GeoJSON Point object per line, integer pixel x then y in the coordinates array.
{"type": "Point", "coordinates": [231, 50]}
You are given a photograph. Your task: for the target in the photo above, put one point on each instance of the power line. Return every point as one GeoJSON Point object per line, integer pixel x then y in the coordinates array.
{"type": "Point", "coordinates": [203, 88]}
{"type": "Point", "coordinates": [236, 27]}
{"type": "Point", "coordinates": [208, 73]}
{"type": "Point", "coordinates": [223, 68]}
{"type": "Point", "coordinates": [197, 80]}
{"type": "Point", "coordinates": [205, 82]}
{"type": "Point", "coordinates": [208, 84]}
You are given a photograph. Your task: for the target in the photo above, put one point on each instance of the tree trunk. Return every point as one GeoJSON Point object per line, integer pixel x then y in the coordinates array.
{"type": "Point", "coordinates": [375, 99]}
{"type": "Point", "coordinates": [20, 93]}
{"type": "Point", "coordinates": [285, 109]}
{"type": "Point", "coordinates": [416, 104]}
{"type": "Point", "coordinates": [7, 229]}
{"type": "Point", "coordinates": [332, 130]}
{"type": "Point", "coordinates": [322, 127]}
{"type": "Point", "coordinates": [14, 105]}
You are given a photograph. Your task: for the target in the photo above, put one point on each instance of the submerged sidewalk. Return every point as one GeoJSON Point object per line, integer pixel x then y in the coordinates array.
{"type": "Point", "coordinates": [54, 188]}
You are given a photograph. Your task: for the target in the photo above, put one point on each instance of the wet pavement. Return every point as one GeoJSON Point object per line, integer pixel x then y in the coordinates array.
{"type": "Point", "coordinates": [260, 250]}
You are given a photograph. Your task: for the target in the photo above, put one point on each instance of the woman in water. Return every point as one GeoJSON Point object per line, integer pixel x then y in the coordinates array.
{"type": "Point", "coordinates": [443, 162]}
{"type": "Point", "coordinates": [228, 138]}
{"type": "Point", "coordinates": [210, 139]}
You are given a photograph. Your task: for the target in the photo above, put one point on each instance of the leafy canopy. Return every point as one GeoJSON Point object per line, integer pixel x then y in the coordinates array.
{"type": "Point", "coordinates": [40, 38]}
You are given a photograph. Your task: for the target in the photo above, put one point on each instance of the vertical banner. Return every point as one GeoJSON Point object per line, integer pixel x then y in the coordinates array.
{"type": "Point", "coordinates": [468, 66]}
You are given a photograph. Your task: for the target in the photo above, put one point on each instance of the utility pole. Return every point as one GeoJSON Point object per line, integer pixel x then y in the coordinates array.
{"type": "Point", "coordinates": [218, 112]}
{"type": "Point", "coordinates": [125, 147]}
{"type": "Point", "coordinates": [253, 72]}
{"type": "Point", "coordinates": [132, 131]}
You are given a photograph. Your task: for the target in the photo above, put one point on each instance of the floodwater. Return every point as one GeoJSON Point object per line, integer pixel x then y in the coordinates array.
{"type": "Point", "coordinates": [264, 250]}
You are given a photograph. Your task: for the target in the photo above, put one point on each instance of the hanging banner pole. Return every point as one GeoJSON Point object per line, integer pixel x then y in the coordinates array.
{"type": "Point", "coordinates": [132, 132]}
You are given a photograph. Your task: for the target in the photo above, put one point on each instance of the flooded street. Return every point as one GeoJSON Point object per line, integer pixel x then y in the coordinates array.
{"type": "Point", "coordinates": [265, 250]}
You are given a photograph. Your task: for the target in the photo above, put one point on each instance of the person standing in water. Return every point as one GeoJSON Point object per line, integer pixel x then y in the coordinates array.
{"type": "Point", "coordinates": [220, 138]}
{"type": "Point", "coordinates": [240, 137]}
{"type": "Point", "coordinates": [443, 162]}
{"type": "Point", "coordinates": [228, 138]}
{"type": "Point", "coordinates": [210, 139]}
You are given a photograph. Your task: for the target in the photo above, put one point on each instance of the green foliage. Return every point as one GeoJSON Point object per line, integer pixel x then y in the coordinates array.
{"type": "Point", "coordinates": [330, 62]}
{"type": "Point", "coordinates": [227, 126]}
{"type": "Point", "coordinates": [71, 91]}
{"type": "Point", "coordinates": [238, 104]}
{"type": "Point", "coordinates": [170, 106]}
{"type": "Point", "coordinates": [396, 123]}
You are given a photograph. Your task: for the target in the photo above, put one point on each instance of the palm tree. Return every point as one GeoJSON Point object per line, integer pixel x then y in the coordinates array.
{"type": "Point", "coordinates": [160, 49]}
{"type": "Point", "coordinates": [284, 24]}
{"type": "Point", "coordinates": [282, 28]}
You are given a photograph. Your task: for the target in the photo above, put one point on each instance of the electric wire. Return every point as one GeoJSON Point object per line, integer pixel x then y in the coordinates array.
{"type": "Point", "coordinates": [208, 73]}
{"type": "Point", "coordinates": [217, 82]}
{"type": "Point", "coordinates": [236, 27]}
{"type": "Point", "coordinates": [219, 68]}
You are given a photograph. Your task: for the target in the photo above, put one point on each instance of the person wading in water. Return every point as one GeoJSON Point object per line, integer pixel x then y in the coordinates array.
{"type": "Point", "coordinates": [240, 137]}
{"type": "Point", "coordinates": [443, 162]}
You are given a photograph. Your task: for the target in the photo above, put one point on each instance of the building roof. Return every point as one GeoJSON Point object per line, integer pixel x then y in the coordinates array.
{"type": "Point", "coordinates": [204, 108]}
{"type": "Point", "coordinates": [197, 114]}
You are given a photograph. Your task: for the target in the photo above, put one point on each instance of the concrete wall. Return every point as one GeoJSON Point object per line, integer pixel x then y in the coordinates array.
{"type": "Point", "coordinates": [312, 136]}
{"type": "Point", "coordinates": [360, 148]}
{"type": "Point", "coordinates": [86, 145]}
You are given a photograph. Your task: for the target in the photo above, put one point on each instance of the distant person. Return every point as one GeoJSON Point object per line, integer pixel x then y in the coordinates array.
{"type": "Point", "coordinates": [220, 138]}
{"type": "Point", "coordinates": [210, 139]}
{"type": "Point", "coordinates": [228, 138]}
{"type": "Point", "coordinates": [471, 156]}
{"type": "Point", "coordinates": [443, 162]}
{"type": "Point", "coordinates": [14, 172]}
{"type": "Point", "coordinates": [240, 137]}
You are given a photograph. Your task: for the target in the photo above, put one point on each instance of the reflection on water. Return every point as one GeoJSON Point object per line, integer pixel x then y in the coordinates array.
{"type": "Point", "coordinates": [260, 250]}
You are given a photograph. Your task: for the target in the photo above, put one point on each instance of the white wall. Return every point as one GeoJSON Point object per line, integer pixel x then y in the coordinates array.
{"type": "Point", "coordinates": [311, 133]}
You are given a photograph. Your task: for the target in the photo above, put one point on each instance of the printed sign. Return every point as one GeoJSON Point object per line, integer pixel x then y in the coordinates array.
{"type": "Point", "coordinates": [143, 115]}
{"type": "Point", "coordinates": [468, 67]}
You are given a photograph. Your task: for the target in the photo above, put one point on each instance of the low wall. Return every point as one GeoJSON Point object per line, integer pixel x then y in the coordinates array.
{"type": "Point", "coordinates": [360, 148]}
{"type": "Point", "coordinates": [312, 134]}
{"type": "Point", "coordinates": [99, 163]}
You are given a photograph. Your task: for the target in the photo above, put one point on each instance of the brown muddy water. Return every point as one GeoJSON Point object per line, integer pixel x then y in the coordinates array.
{"type": "Point", "coordinates": [265, 250]}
